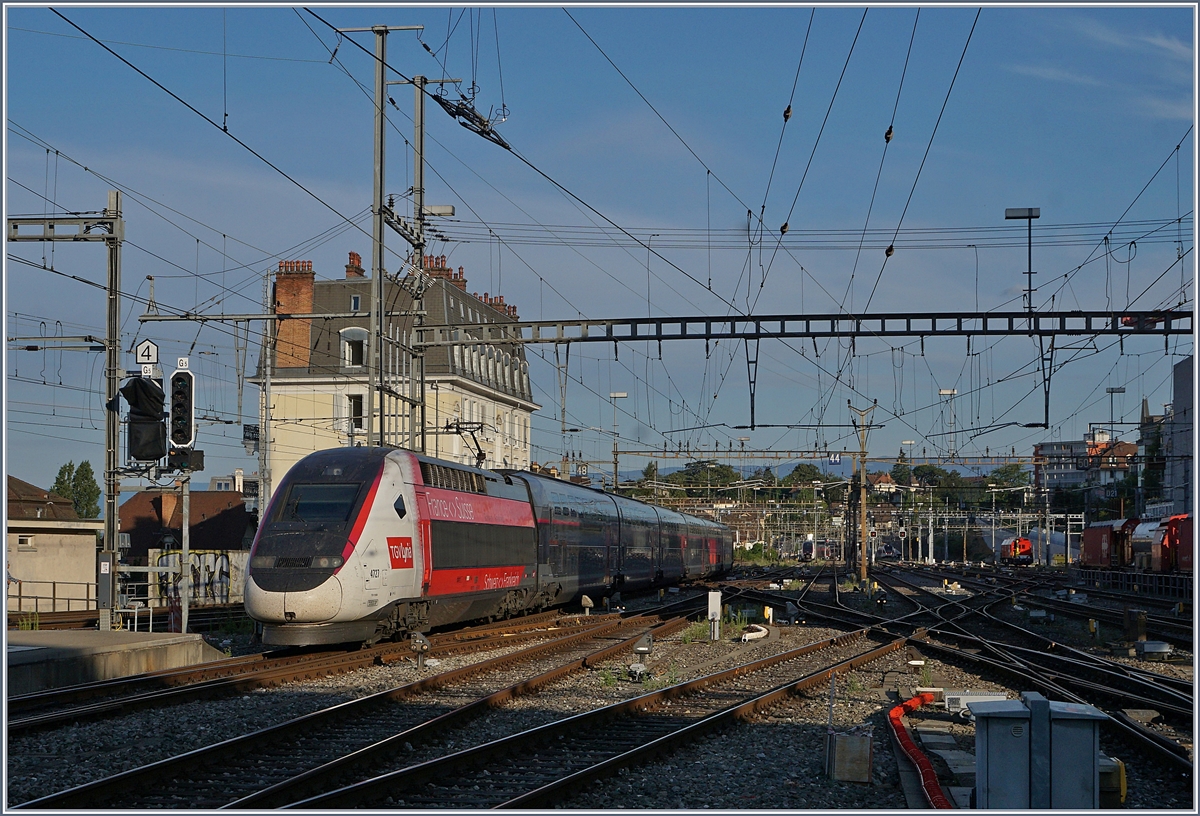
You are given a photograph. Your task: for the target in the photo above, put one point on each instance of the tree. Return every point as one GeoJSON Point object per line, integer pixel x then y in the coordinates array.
{"type": "Point", "coordinates": [64, 483]}
{"type": "Point", "coordinates": [803, 474]}
{"type": "Point", "coordinates": [702, 475]}
{"type": "Point", "coordinates": [79, 485]}
{"type": "Point", "coordinates": [901, 472]}
{"type": "Point", "coordinates": [650, 472]}
{"type": "Point", "coordinates": [1010, 475]}
{"type": "Point", "coordinates": [85, 493]}
{"type": "Point", "coordinates": [931, 475]}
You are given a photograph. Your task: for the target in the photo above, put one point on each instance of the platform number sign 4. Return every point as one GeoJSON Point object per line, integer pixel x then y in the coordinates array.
{"type": "Point", "coordinates": [146, 352]}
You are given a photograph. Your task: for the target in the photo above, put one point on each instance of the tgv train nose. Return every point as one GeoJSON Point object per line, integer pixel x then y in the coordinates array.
{"type": "Point", "coordinates": [315, 605]}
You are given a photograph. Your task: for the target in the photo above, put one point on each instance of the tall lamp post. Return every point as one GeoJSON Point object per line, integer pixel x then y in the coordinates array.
{"type": "Point", "coordinates": [1028, 214]}
{"type": "Point", "coordinates": [614, 396]}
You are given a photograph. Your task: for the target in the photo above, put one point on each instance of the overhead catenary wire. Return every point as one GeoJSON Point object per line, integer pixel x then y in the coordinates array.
{"type": "Point", "coordinates": [928, 146]}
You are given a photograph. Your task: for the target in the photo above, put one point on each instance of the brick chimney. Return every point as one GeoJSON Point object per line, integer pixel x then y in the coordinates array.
{"type": "Point", "coordinates": [354, 269]}
{"type": "Point", "coordinates": [293, 295]}
{"type": "Point", "coordinates": [459, 280]}
{"type": "Point", "coordinates": [166, 508]}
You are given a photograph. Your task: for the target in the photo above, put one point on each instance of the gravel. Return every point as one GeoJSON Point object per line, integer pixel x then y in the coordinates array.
{"type": "Point", "coordinates": [776, 760]}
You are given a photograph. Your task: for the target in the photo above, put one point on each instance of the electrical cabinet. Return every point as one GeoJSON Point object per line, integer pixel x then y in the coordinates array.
{"type": "Point", "coordinates": [1033, 753]}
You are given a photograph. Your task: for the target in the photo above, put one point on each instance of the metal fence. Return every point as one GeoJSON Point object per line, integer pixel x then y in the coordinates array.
{"type": "Point", "coordinates": [51, 596]}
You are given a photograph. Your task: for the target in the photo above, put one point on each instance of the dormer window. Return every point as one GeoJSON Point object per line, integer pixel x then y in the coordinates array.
{"type": "Point", "coordinates": [354, 345]}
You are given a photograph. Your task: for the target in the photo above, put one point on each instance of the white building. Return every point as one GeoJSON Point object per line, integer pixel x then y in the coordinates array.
{"type": "Point", "coordinates": [319, 379]}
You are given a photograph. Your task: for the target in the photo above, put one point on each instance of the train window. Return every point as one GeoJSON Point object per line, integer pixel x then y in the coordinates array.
{"type": "Point", "coordinates": [318, 502]}
{"type": "Point", "coordinates": [401, 511]}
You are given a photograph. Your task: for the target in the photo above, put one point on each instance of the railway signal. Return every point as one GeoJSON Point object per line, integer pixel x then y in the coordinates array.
{"type": "Point", "coordinates": [147, 435]}
{"type": "Point", "coordinates": [183, 409]}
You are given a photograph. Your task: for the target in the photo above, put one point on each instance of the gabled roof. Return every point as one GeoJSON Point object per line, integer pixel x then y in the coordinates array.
{"type": "Point", "coordinates": [27, 501]}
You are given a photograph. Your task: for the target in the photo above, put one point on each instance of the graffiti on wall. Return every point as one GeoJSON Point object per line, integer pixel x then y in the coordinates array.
{"type": "Point", "coordinates": [217, 576]}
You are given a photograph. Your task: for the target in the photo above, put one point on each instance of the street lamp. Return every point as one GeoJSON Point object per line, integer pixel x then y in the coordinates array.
{"type": "Point", "coordinates": [1028, 213]}
{"type": "Point", "coordinates": [614, 396]}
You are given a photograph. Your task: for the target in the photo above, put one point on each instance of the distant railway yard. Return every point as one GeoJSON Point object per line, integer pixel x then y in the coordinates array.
{"type": "Point", "coordinates": [635, 706]}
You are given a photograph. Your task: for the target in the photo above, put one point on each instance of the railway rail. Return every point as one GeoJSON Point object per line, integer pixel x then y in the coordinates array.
{"type": "Point", "coordinates": [238, 675]}
{"type": "Point", "coordinates": [532, 768]}
{"type": "Point", "coordinates": [306, 752]}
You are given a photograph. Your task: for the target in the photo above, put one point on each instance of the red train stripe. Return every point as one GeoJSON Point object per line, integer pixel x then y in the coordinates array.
{"type": "Point", "coordinates": [361, 521]}
{"type": "Point", "coordinates": [475, 579]}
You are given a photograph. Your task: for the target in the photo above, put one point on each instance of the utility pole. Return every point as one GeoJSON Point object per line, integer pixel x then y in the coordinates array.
{"type": "Point", "coordinates": [110, 229]}
{"type": "Point", "coordinates": [414, 233]}
{"type": "Point", "coordinates": [185, 558]}
{"type": "Point", "coordinates": [863, 428]}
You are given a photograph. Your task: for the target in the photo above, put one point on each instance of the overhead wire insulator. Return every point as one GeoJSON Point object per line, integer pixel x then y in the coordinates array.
{"type": "Point", "coordinates": [887, 137]}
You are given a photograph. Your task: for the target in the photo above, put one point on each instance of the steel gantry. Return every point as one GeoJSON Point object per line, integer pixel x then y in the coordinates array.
{"type": "Point", "coordinates": [1166, 322]}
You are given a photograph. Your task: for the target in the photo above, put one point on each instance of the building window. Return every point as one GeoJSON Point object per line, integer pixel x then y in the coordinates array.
{"type": "Point", "coordinates": [354, 344]}
{"type": "Point", "coordinates": [355, 411]}
{"type": "Point", "coordinates": [25, 544]}
{"type": "Point", "coordinates": [355, 302]}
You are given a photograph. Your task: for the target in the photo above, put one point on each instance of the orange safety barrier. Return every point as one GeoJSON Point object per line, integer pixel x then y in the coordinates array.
{"type": "Point", "coordinates": [929, 781]}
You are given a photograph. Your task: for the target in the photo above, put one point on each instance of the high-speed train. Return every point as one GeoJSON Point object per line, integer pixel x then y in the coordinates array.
{"type": "Point", "coordinates": [360, 544]}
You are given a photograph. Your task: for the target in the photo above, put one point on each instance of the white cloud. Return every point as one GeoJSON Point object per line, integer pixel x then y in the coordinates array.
{"type": "Point", "coordinates": [1175, 47]}
{"type": "Point", "coordinates": [1053, 74]}
{"type": "Point", "coordinates": [1166, 108]}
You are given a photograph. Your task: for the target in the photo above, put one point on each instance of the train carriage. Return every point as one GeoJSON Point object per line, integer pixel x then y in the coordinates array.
{"type": "Point", "coordinates": [363, 543]}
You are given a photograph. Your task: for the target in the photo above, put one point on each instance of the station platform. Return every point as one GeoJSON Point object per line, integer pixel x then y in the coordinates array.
{"type": "Point", "coordinates": [44, 659]}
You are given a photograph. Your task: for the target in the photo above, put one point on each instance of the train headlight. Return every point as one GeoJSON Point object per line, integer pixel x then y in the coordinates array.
{"type": "Point", "coordinates": [262, 562]}
{"type": "Point", "coordinates": [327, 561]}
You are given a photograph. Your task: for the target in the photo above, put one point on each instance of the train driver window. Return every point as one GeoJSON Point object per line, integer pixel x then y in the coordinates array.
{"type": "Point", "coordinates": [401, 511]}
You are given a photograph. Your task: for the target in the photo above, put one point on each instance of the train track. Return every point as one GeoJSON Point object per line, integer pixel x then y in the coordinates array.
{"type": "Point", "coordinates": [535, 767]}
{"type": "Point", "coordinates": [306, 753]}
{"type": "Point", "coordinates": [1064, 673]}
{"type": "Point", "coordinates": [1044, 666]}
{"type": "Point", "coordinates": [238, 675]}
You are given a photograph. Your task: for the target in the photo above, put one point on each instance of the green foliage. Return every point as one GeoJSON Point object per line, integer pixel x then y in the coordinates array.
{"type": "Point", "coordinates": [765, 474]}
{"type": "Point", "coordinates": [608, 678]}
{"type": "Point", "coordinates": [901, 472]}
{"type": "Point", "coordinates": [64, 482]}
{"type": "Point", "coordinates": [28, 622]}
{"type": "Point", "coordinates": [1010, 475]}
{"type": "Point", "coordinates": [932, 475]}
{"type": "Point", "coordinates": [698, 478]}
{"type": "Point", "coordinates": [735, 624]}
{"type": "Point", "coordinates": [650, 471]}
{"type": "Point", "coordinates": [85, 493]}
{"type": "Point", "coordinates": [853, 684]}
{"type": "Point", "coordinates": [804, 474]}
{"type": "Point", "coordinates": [926, 676]}
{"type": "Point", "coordinates": [697, 632]}
{"type": "Point", "coordinates": [79, 485]}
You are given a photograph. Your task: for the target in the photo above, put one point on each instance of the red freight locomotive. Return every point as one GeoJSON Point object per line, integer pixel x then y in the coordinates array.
{"type": "Point", "coordinates": [363, 543]}
{"type": "Point", "coordinates": [1160, 545]}
{"type": "Point", "coordinates": [1017, 551]}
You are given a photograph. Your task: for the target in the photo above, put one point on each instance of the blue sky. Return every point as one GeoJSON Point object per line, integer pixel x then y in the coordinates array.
{"type": "Point", "coordinates": [1072, 110]}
